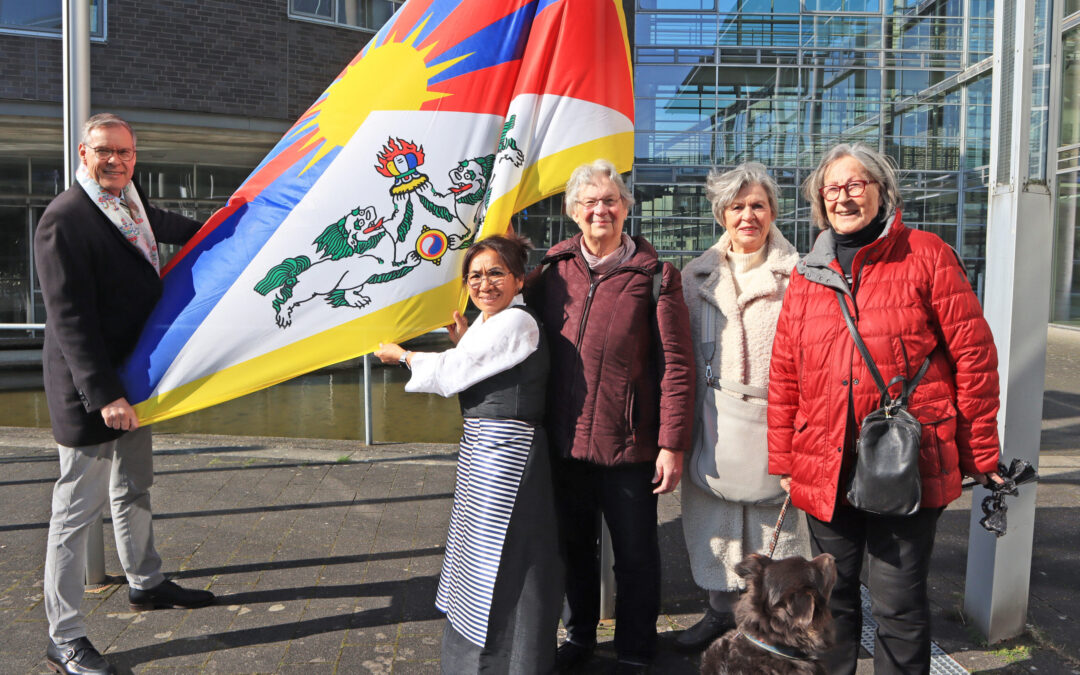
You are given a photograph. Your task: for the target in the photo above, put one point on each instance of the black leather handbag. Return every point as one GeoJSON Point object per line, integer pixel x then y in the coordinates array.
{"type": "Point", "coordinates": [886, 479]}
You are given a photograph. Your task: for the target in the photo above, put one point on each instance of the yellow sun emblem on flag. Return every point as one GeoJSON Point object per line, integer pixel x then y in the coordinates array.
{"type": "Point", "coordinates": [363, 88]}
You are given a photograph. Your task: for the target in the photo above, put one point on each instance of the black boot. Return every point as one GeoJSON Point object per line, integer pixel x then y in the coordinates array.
{"type": "Point", "coordinates": [701, 634]}
{"type": "Point", "coordinates": [77, 657]}
{"type": "Point", "coordinates": [166, 595]}
{"type": "Point", "coordinates": [570, 656]}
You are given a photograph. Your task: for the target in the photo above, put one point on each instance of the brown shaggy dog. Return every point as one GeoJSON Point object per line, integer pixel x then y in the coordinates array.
{"type": "Point", "coordinates": [783, 623]}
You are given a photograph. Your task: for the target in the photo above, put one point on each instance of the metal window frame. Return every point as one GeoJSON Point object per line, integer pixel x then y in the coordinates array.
{"type": "Point", "coordinates": [334, 22]}
{"type": "Point", "coordinates": [59, 34]}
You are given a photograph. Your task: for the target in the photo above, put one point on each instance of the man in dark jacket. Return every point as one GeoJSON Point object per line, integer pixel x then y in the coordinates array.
{"type": "Point", "coordinates": [97, 259]}
{"type": "Point", "coordinates": [620, 408]}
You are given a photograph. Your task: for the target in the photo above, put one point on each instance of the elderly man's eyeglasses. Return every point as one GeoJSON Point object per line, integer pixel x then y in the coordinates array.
{"type": "Point", "coordinates": [853, 189]}
{"type": "Point", "coordinates": [123, 154]}
{"type": "Point", "coordinates": [494, 277]}
{"type": "Point", "coordinates": [590, 204]}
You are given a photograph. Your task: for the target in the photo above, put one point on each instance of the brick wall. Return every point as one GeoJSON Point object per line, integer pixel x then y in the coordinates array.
{"type": "Point", "coordinates": [236, 57]}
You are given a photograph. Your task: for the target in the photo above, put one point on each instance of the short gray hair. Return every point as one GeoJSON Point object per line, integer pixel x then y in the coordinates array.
{"type": "Point", "coordinates": [587, 174]}
{"type": "Point", "coordinates": [722, 188]}
{"type": "Point", "coordinates": [105, 120]}
{"type": "Point", "coordinates": [880, 167]}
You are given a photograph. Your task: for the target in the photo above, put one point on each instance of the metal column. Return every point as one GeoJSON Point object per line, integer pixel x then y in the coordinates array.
{"type": "Point", "coordinates": [1017, 307]}
{"type": "Point", "coordinates": [76, 46]}
{"type": "Point", "coordinates": [76, 31]}
{"type": "Point", "coordinates": [369, 435]}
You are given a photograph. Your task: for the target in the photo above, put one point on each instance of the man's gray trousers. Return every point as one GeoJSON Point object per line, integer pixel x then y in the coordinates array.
{"type": "Point", "coordinates": [121, 472]}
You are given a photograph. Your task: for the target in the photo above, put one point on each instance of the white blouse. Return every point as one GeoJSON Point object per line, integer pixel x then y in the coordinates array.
{"type": "Point", "coordinates": [487, 348]}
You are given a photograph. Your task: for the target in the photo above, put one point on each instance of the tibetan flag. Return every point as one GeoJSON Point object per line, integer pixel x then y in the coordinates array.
{"type": "Point", "coordinates": [456, 115]}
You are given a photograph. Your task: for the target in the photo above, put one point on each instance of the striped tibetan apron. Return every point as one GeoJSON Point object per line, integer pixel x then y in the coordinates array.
{"type": "Point", "coordinates": [490, 467]}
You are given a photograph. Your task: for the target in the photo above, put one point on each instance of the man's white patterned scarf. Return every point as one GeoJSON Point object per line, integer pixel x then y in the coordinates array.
{"type": "Point", "coordinates": [126, 212]}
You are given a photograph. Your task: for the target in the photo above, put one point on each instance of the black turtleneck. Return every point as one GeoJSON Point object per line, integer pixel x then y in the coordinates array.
{"type": "Point", "coordinates": [847, 245]}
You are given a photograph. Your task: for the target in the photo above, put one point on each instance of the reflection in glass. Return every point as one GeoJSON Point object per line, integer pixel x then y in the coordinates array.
{"type": "Point", "coordinates": [1070, 88]}
{"type": "Point", "coordinates": [12, 176]}
{"type": "Point", "coordinates": [675, 29]}
{"type": "Point", "coordinates": [1066, 269]}
{"type": "Point", "coordinates": [44, 16]}
{"type": "Point", "coordinates": [14, 264]}
{"type": "Point", "coordinates": [368, 14]}
{"type": "Point", "coordinates": [47, 176]}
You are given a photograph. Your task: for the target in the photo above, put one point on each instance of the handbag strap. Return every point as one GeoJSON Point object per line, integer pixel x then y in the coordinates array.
{"type": "Point", "coordinates": [908, 386]}
{"type": "Point", "coordinates": [708, 350]}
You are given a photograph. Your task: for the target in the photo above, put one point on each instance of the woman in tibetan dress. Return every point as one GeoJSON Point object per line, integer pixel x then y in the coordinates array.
{"type": "Point", "coordinates": [501, 580]}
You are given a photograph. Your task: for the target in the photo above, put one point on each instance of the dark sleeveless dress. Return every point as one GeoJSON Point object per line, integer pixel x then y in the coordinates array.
{"type": "Point", "coordinates": [501, 581]}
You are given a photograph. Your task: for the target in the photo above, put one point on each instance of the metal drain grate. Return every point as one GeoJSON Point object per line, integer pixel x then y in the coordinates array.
{"type": "Point", "coordinates": [940, 662]}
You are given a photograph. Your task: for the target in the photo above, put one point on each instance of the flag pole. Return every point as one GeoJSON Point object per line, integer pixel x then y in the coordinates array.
{"type": "Point", "coordinates": [369, 436]}
{"type": "Point", "coordinates": [76, 46]}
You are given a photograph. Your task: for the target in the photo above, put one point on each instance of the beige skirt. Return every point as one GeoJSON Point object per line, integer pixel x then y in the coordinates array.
{"type": "Point", "coordinates": [719, 534]}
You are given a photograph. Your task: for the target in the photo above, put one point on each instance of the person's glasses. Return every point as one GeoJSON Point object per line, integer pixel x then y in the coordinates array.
{"type": "Point", "coordinates": [104, 153]}
{"type": "Point", "coordinates": [853, 189]}
{"type": "Point", "coordinates": [494, 277]}
{"type": "Point", "coordinates": [590, 204]}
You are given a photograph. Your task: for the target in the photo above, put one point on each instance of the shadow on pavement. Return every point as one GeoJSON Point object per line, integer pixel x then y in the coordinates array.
{"type": "Point", "coordinates": [400, 609]}
{"type": "Point", "coordinates": [276, 565]}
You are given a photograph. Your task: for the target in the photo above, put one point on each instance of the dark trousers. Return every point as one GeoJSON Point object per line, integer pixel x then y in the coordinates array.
{"type": "Point", "coordinates": [898, 556]}
{"type": "Point", "coordinates": [623, 494]}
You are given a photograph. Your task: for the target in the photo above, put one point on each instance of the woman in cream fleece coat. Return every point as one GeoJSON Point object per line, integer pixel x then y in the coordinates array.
{"type": "Point", "coordinates": [739, 284]}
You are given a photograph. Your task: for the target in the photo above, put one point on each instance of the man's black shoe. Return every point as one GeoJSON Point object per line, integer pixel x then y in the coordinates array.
{"type": "Point", "coordinates": [701, 634]}
{"type": "Point", "coordinates": [77, 657]}
{"type": "Point", "coordinates": [167, 595]}
{"type": "Point", "coordinates": [570, 656]}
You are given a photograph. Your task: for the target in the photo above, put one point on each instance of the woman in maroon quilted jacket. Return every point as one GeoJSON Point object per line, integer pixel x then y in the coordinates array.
{"type": "Point", "coordinates": [911, 299]}
{"type": "Point", "coordinates": [620, 408]}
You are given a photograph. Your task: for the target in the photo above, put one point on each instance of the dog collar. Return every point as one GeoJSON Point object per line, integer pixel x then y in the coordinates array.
{"type": "Point", "coordinates": [786, 652]}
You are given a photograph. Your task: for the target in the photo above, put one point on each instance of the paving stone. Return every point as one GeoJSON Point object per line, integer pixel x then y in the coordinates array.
{"type": "Point", "coordinates": [322, 648]}
{"type": "Point", "coordinates": [257, 658]}
{"type": "Point", "coordinates": [418, 648]}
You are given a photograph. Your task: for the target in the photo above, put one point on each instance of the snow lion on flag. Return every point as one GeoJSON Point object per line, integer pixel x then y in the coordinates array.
{"type": "Point", "coordinates": [361, 248]}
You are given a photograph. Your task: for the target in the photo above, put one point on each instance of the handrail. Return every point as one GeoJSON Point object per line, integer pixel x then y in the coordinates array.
{"type": "Point", "coordinates": [22, 326]}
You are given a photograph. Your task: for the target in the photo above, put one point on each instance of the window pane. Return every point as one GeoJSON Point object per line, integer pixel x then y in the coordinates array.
{"type": "Point", "coordinates": [677, 4]}
{"type": "Point", "coordinates": [14, 264]}
{"type": "Point", "coordinates": [675, 29]}
{"type": "Point", "coordinates": [368, 14]}
{"type": "Point", "coordinates": [44, 16]}
{"type": "Point", "coordinates": [319, 8]}
{"type": "Point", "coordinates": [12, 176]}
{"type": "Point", "coordinates": [47, 176]}
{"type": "Point", "coordinates": [1066, 280]}
{"type": "Point", "coordinates": [1070, 89]}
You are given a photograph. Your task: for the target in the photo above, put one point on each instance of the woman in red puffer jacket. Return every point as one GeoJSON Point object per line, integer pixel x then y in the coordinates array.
{"type": "Point", "coordinates": [910, 299]}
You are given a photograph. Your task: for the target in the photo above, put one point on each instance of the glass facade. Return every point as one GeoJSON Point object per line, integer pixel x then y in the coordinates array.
{"type": "Point", "coordinates": [364, 14]}
{"type": "Point", "coordinates": [719, 82]}
{"type": "Point", "coordinates": [44, 17]}
{"type": "Point", "coordinates": [779, 82]}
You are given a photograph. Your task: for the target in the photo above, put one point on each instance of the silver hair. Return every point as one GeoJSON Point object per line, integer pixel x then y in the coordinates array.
{"type": "Point", "coordinates": [105, 120]}
{"type": "Point", "coordinates": [881, 168]}
{"type": "Point", "coordinates": [587, 174]}
{"type": "Point", "coordinates": [722, 188]}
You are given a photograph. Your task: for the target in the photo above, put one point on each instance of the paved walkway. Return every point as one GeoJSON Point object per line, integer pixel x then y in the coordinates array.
{"type": "Point", "coordinates": [325, 556]}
